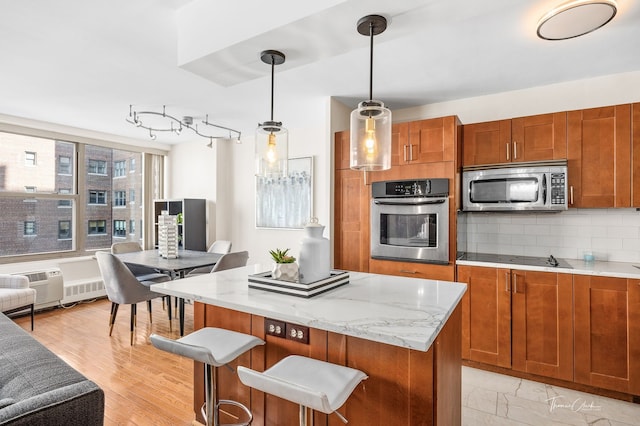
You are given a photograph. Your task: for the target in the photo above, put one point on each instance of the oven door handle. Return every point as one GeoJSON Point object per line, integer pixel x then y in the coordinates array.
{"type": "Point", "coordinates": [409, 203]}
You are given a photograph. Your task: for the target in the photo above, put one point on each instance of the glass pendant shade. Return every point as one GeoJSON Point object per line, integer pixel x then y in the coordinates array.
{"type": "Point", "coordinates": [271, 150]}
{"type": "Point", "coordinates": [370, 145]}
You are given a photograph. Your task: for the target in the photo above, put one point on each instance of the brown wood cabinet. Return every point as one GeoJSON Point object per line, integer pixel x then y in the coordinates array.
{"type": "Point", "coordinates": [534, 138]}
{"type": "Point", "coordinates": [635, 161]}
{"type": "Point", "coordinates": [607, 332]}
{"type": "Point", "coordinates": [541, 305]}
{"type": "Point", "coordinates": [518, 319]}
{"type": "Point", "coordinates": [351, 218]}
{"type": "Point", "coordinates": [424, 141]}
{"type": "Point", "coordinates": [412, 269]}
{"type": "Point", "coordinates": [486, 315]}
{"type": "Point", "coordinates": [599, 157]}
{"type": "Point", "coordinates": [405, 386]}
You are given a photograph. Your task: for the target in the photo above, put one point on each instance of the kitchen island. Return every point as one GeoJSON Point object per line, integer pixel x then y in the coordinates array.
{"type": "Point", "coordinates": [404, 333]}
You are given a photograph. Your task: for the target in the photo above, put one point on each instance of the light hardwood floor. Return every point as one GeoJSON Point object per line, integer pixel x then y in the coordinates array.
{"type": "Point", "coordinates": [142, 385]}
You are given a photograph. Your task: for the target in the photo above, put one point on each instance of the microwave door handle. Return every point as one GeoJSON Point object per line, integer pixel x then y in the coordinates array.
{"type": "Point", "coordinates": [544, 189]}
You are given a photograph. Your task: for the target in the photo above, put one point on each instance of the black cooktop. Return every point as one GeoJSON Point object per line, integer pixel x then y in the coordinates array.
{"type": "Point", "coordinates": [550, 261]}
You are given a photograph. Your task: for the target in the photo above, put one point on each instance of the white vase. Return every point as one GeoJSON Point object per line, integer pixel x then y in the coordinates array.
{"type": "Point", "coordinates": [285, 272]}
{"type": "Point", "coordinates": [314, 259]}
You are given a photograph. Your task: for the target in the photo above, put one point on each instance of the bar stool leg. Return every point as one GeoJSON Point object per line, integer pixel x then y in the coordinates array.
{"type": "Point", "coordinates": [210, 409]}
{"type": "Point", "coordinates": [306, 416]}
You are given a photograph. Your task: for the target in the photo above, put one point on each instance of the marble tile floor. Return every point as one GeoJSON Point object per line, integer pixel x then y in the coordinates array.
{"type": "Point", "coordinates": [498, 400]}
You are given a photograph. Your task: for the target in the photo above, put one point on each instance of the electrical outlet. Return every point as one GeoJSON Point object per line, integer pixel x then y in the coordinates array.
{"type": "Point", "coordinates": [274, 327]}
{"type": "Point", "coordinates": [298, 333]}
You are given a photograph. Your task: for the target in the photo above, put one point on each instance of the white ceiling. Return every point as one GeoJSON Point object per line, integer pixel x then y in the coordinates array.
{"type": "Point", "coordinates": [82, 62]}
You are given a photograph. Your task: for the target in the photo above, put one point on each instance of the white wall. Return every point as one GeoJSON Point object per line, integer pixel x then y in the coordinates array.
{"type": "Point", "coordinates": [229, 187]}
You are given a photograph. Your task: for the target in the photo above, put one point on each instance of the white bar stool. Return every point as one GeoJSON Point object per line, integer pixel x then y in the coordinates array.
{"type": "Point", "coordinates": [214, 347]}
{"type": "Point", "coordinates": [311, 383]}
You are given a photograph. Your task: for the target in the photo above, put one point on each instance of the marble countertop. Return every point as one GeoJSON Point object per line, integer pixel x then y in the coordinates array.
{"type": "Point", "coordinates": [405, 312]}
{"type": "Point", "coordinates": [578, 267]}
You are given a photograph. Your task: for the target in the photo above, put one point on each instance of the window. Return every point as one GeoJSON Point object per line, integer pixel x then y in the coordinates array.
{"type": "Point", "coordinates": [132, 226]}
{"type": "Point", "coordinates": [119, 228]}
{"type": "Point", "coordinates": [119, 168]}
{"type": "Point", "coordinates": [64, 165]}
{"type": "Point", "coordinates": [29, 228]}
{"type": "Point", "coordinates": [31, 190]}
{"type": "Point", "coordinates": [132, 165]}
{"type": "Point", "coordinates": [119, 198]}
{"type": "Point", "coordinates": [97, 167]}
{"type": "Point", "coordinates": [29, 158]}
{"type": "Point", "coordinates": [132, 196]}
{"type": "Point", "coordinates": [97, 227]}
{"type": "Point", "coordinates": [64, 229]}
{"type": "Point", "coordinates": [64, 203]}
{"type": "Point", "coordinates": [65, 173]}
{"type": "Point", "coordinates": [97, 197]}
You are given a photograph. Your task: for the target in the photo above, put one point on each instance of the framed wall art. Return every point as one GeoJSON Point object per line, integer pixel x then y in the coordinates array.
{"type": "Point", "coordinates": [286, 202]}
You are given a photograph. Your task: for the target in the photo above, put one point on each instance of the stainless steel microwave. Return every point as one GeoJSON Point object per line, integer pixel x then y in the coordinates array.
{"type": "Point", "coordinates": [538, 186]}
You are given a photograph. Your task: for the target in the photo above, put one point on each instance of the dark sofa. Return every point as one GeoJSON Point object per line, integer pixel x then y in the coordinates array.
{"type": "Point", "coordinates": [38, 388]}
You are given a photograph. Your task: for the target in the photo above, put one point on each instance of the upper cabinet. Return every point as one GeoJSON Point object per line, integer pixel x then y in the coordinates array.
{"type": "Point", "coordinates": [342, 147]}
{"type": "Point", "coordinates": [635, 165]}
{"type": "Point", "coordinates": [599, 157]}
{"type": "Point", "coordinates": [424, 141]}
{"type": "Point", "coordinates": [534, 138]}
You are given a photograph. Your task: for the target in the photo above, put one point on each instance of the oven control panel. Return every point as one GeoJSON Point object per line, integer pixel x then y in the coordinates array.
{"type": "Point", "coordinates": [411, 188]}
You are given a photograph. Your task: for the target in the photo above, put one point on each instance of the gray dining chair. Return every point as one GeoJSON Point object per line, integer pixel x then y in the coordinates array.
{"type": "Point", "coordinates": [231, 260]}
{"type": "Point", "coordinates": [123, 287]}
{"type": "Point", "coordinates": [218, 246]}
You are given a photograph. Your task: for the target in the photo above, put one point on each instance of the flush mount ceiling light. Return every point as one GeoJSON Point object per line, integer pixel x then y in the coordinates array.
{"type": "Point", "coordinates": [163, 122]}
{"type": "Point", "coordinates": [370, 144]}
{"type": "Point", "coordinates": [576, 18]}
{"type": "Point", "coordinates": [271, 137]}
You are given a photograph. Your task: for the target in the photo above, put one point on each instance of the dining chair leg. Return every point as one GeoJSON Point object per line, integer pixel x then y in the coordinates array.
{"type": "Point", "coordinates": [181, 315]}
{"type": "Point", "coordinates": [112, 317]}
{"type": "Point", "coordinates": [134, 310]}
{"type": "Point", "coordinates": [149, 310]}
{"type": "Point", "coordinates": [169, 311]}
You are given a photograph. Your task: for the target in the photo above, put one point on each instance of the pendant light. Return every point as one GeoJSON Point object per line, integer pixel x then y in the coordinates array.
{"type": "Point", "coordinates": [370, 144]}
{"type": "Point", "coordinates": [271, 137]}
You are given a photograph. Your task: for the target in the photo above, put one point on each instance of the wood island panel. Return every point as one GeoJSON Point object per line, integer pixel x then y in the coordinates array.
{"type": "Point", "coordinates": [405, 386]}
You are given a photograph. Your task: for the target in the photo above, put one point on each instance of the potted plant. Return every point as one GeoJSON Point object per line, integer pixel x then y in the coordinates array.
{"type": "Point", "coordinates": [285, 267]}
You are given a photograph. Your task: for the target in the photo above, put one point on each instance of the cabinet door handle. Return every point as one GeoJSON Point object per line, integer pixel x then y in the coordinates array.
{"type": "Point", "coordinates": [507, 282]}
{"type": "Point", "coordinates": [410, 152]}
{"type": "Point", "coordinates": [405, 271]}
{"type": "Point", "coordinates": [515, 150]}
{"type": "Point", "coordinates": [404, 156]}
{"type": "Point", "coordinates": [366, 178]}
{"type": "Point", "coordinates": [515, 283]}
{"type": "Point", "coordinates": [508, 158]}
{"type": "Point", "coordinates": [571, 194]}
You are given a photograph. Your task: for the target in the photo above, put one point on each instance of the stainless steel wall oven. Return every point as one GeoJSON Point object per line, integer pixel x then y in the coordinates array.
{"type": "Point", "coordinates": [410, 220]}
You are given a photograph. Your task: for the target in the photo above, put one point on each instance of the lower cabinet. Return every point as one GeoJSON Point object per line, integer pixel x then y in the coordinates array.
{"type": "Point", "coordinates": [412, 269]}
{"type": "Point", "coordinates": [607, 332]}
{"type": "Point", "coordinates": [541, 321]}
{"type": "Point", "coordinates": [578, 328]}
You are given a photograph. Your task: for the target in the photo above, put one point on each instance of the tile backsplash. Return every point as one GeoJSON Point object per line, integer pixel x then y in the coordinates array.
{"type": "Point", "coordinates": [610, 234]}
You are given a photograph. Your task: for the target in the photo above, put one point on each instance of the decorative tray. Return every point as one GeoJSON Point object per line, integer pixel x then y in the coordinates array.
{"type": "Point", "coordinates": [263, 281]}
